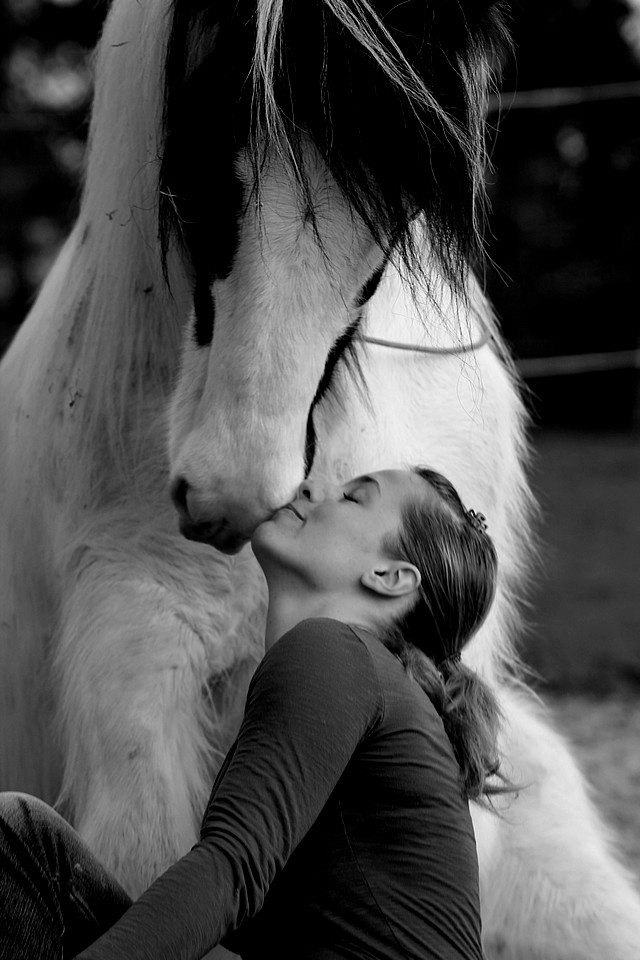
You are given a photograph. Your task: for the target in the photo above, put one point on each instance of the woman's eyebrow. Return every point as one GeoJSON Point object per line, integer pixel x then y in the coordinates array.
{"type": "Point", "coordinates": [366, 479]}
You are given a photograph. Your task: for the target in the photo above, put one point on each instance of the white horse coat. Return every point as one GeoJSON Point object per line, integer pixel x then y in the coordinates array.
{"type": "Point", "coordinates": [125, 648]}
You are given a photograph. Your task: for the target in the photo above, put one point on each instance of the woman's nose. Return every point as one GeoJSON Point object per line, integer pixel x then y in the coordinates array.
{"type": "Point", "coordinates": [314, 491]}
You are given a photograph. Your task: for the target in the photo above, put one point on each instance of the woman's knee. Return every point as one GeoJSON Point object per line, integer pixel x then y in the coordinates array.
{"type": "Point", "coordinates": [30, 828]}
{"type": "Point", "coordinates": [23, 811]}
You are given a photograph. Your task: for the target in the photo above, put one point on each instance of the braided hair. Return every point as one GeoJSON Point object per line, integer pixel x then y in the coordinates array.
{"type": "Point", "coordinates": [458, 564]}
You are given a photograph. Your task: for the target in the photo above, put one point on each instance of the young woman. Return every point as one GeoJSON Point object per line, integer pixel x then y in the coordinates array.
{"type": "Point", "coordinates": [338, 827]}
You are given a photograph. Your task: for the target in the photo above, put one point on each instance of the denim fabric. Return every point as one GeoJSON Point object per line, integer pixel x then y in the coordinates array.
{"type": "Point", "coordinates": [55, 897]}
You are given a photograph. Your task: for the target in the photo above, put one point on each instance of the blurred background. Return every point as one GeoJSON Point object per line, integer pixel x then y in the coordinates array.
{"type": "Point", "coordinates": [564, 241]}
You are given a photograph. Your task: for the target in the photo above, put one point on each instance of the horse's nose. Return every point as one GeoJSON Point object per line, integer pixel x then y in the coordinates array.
{"type": "Point", "coordinates": [315, 491]}
{"type": "Point", "coordinates": [227, 533]}
{"type": "Point", "coordinates": [310, 490]}
{"type": "Point", "coordinates": [217, 532]}
{"type": "Point", "coordinates": [179, 495]}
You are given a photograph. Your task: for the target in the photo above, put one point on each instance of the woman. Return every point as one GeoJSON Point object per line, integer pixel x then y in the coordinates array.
{"type": "Point", "coordinates": [338, 826]}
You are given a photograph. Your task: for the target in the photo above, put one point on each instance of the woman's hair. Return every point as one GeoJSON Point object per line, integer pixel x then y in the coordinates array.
{"type": "Point", "coordinates": [458, 565]}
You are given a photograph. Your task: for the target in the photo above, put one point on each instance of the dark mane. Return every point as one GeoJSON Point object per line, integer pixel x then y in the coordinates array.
{"type": "Point", "coordinates": [391, 94]}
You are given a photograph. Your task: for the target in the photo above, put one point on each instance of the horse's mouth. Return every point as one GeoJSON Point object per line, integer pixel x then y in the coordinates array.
{"type": "Point", "coordinates": [215, 534]}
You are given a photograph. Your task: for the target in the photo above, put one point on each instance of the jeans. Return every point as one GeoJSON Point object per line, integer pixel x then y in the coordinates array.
{"type": "Point", "coordinates": [55, 897]}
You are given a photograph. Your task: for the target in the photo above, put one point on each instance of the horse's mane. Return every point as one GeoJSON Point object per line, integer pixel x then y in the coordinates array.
{"type": "Point", "coordinates": [390, 94]}
{"type": "Point", "coordinates": [400, 130]}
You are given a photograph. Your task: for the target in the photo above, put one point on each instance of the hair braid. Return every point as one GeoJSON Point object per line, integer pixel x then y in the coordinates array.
{"type": "Point", "coordinates": [458, 566]}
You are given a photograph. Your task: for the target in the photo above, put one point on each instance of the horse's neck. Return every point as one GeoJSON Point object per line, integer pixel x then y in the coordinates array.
{"type": "Point", "coordinates": [409, 400]}
{"type": "Point", "coordinates": [98, 352]}
{"type": "Point", "coordinates": [135, 321]}
{"type": "Point", "coordinates": [425, 312]}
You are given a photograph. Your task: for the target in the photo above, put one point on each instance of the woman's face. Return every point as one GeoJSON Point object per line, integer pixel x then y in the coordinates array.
{"type": "Point", "coordinates": [330, 535]}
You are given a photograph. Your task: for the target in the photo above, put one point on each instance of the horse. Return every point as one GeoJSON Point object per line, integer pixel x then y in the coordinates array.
{"type": "Point", "coordinates": [268, 279]}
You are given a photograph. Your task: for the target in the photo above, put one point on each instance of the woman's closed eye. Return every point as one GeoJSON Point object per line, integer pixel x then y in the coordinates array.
{"type": "Point", "coordinates": [349, 496]}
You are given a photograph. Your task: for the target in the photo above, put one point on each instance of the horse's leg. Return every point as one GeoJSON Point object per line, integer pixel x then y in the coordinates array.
{"type": "Point", "coordinates": [138, 663]}
{"type": "Point", "coordinates": [552, 888]}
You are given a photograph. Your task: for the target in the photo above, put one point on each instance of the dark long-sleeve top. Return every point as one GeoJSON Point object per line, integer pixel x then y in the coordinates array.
{"type": "Point", "coordinates": [336, 828]}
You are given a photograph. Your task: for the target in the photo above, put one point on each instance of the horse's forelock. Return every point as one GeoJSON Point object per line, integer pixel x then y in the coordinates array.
{"type": "Point", "coordinates": [391, 95]}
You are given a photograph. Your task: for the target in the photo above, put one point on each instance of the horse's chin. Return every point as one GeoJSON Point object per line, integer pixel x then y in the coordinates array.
{"type": "Point", "coordinates": [217, 535]}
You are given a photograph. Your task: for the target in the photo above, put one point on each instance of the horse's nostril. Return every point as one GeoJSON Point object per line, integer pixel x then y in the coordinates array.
{"type": "Point", "coordinates": [179, 491]}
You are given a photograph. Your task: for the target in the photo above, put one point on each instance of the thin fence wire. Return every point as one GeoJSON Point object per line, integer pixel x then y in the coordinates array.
{"type": "Point", "coordinates": [553, 97]}
{"type": "Point", "coordinates": [545, 98]}
{"type": "Point", "coordinates": [531, 367]}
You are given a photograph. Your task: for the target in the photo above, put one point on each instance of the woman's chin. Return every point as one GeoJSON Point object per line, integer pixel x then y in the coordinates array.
{"type": "Point", "coordinates": [265, 536]}
{"type": "Point", "coordinates": [274, 542]}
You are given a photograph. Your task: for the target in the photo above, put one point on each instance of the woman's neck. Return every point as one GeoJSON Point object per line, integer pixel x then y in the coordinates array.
{"type": "Point", "coordinates": [287, 608]}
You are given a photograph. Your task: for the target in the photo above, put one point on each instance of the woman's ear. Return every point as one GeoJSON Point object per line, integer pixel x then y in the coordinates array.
{"type": "Point", "coordinates": [392, 578]}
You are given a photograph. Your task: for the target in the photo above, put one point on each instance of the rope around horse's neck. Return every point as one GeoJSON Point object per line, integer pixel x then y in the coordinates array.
{"type": "Point", "coordinates": [484, 337]}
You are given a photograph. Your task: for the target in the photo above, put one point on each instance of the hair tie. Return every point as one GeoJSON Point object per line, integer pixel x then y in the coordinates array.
{"type": "Point", "coordinates": [449, 661]}
{"type": "Point", "coordinates": [478, 520]}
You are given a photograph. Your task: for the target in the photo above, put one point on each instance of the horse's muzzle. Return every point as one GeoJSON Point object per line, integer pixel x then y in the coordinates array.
{"type": "Point", "coordinates": [217, 533]}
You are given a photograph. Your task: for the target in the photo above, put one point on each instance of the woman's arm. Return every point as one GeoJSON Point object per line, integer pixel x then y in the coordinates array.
{"type": "Point", "coordinates": [312, 700]}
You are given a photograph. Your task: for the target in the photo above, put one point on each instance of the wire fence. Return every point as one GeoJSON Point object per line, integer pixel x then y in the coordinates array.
{"type": "Point", "coordinates": [554, 97]}
{"type": "Point", "coordinates": [550, 99]}
{"type": "Point", "coordinates": [560, 366]}
{"type": "Point", "coordinates": [546, 98]}
{"type": "Point", "coordinates": [43, 122]}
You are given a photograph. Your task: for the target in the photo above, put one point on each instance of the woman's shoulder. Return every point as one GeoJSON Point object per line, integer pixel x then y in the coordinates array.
{"type": "Point", "coordinates": [403, 695]}
{"type": "Point", "coordinates": [324, 646]}
{"type": "Point", "coordinates": [321, 627]}
{"type": "Point", "coordinates": [322, 632]}
{"type": "Point", "coordinates": [350, 648]}
{"type": "Point", "coordinates": [343, 641]}
{"type": "Point", "coordinates": [321, 660]}
{"type": "Point", "coordinates": [386, 663]}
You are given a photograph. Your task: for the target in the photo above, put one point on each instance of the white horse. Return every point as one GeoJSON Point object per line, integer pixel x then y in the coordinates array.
{"type": "Point", "coordinates": [126, 648]}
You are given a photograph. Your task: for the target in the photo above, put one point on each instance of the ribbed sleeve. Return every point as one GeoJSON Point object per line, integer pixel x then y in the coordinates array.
{"type": "Point", "coordinates": [313, 699]}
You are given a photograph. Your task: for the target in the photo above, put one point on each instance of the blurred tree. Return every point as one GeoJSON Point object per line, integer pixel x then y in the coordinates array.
{"type": "Point", "coordinates": [45, 90]}
{"type": "Point", "coordinates": [569, 42]}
